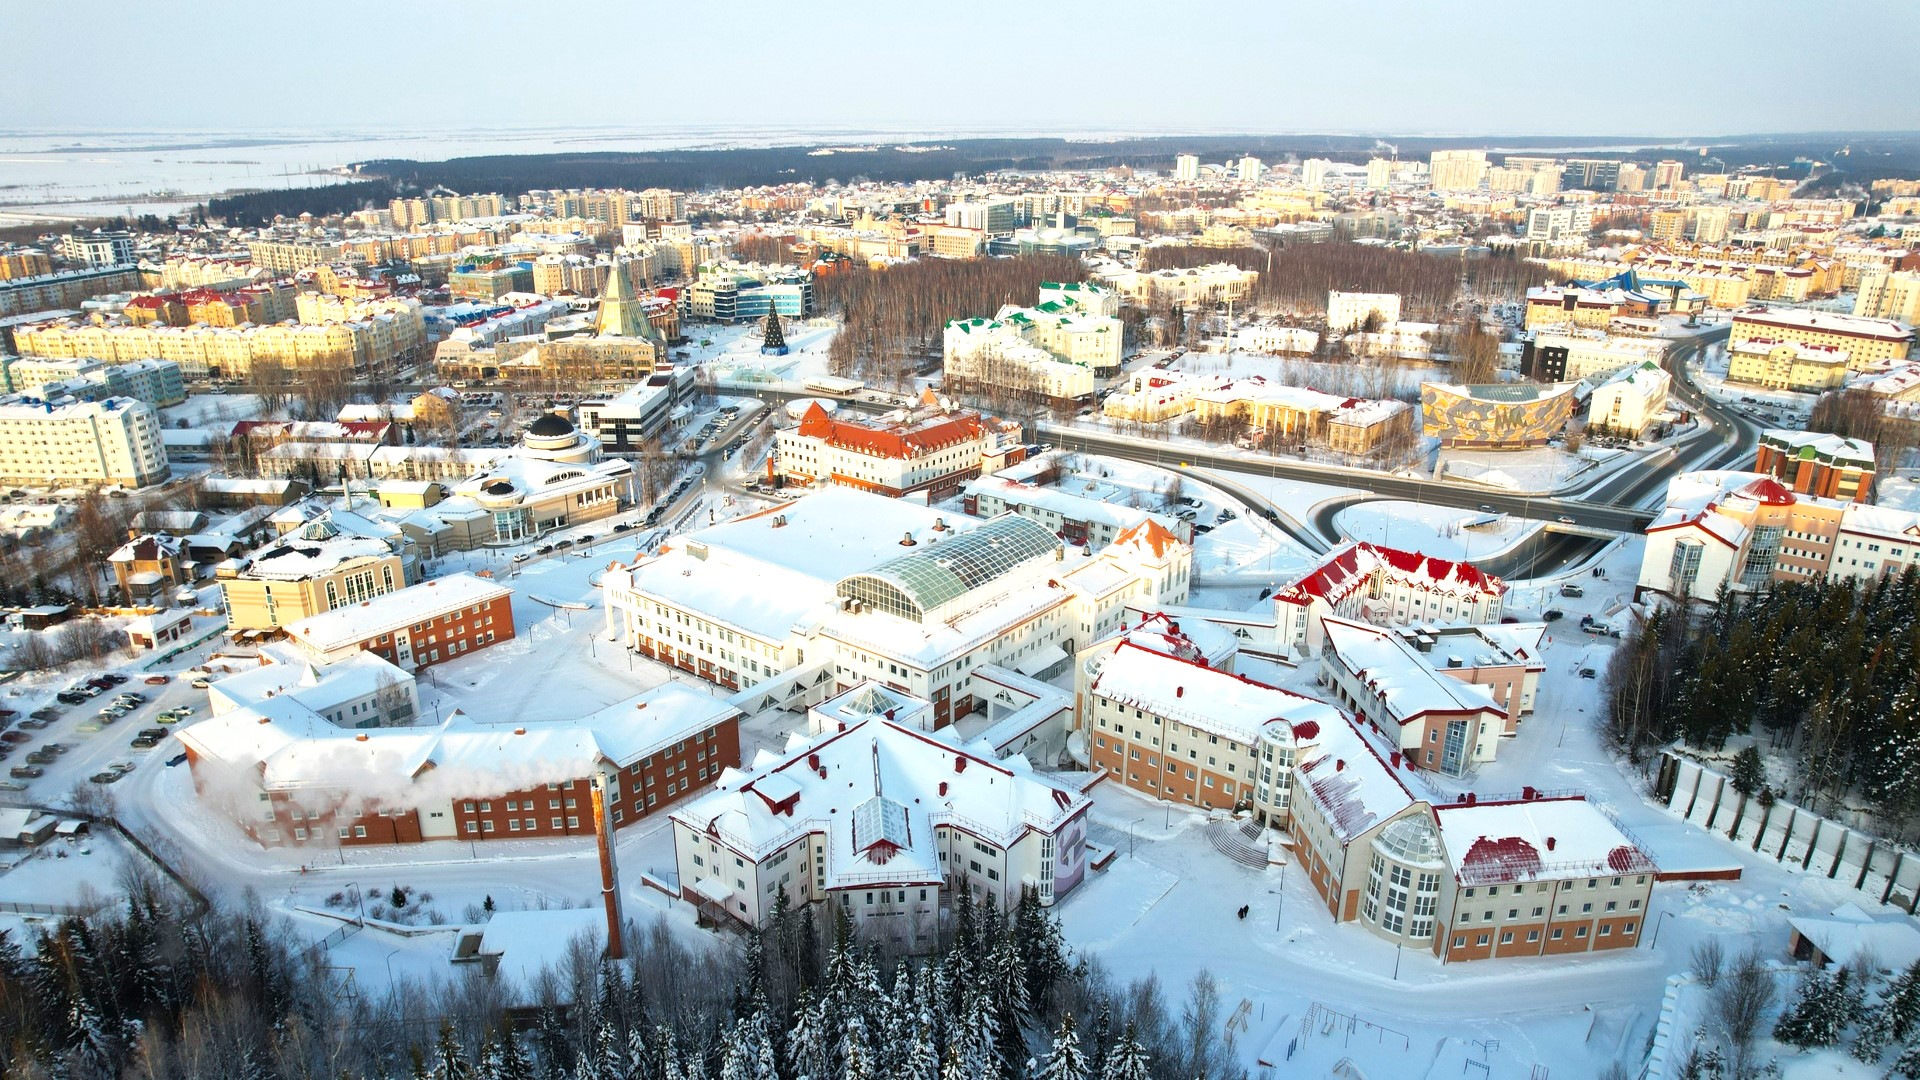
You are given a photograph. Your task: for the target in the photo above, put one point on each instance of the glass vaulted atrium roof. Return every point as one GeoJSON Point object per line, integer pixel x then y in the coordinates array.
{"type": "Point", "coordinates": [937, 573]}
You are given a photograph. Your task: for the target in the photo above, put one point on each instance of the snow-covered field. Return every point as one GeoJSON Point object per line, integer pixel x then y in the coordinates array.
{"type": "Point", "coordinates": [1444, 531]}
{"type": "Point", "coordinates": [1542, 470]}
{"type": "Point", "coordinates": [732, 353]}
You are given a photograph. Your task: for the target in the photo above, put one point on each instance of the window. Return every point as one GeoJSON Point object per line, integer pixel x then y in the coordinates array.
{"type": "Point", "coordinates": [473, 826]}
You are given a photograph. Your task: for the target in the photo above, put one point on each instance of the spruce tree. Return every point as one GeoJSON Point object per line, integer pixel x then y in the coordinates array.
{"type": "Point", "coordinates": [1812, 1019]}
{"type": "Point", "coordinates": [1064, 1059]}
{"type": "Point", "coordinates": [1129, 1060]}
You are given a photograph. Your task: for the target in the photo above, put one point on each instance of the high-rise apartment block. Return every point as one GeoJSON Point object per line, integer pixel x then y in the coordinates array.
{"type": "Point", "coordinates": [1458, 170]}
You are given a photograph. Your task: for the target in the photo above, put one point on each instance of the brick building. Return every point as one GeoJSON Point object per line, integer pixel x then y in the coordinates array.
{"type": "Point", "coordinates": [286, 774]}
{"type": "Point", "coordinates": [415, 627]}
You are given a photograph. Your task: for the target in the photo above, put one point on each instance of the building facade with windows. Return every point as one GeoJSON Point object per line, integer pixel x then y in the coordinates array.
{"type": "Point", "coordinates": [1746, 532]}
{"type": "Point", "coordinates": [1867, 341]}
{"type": "Point", "coordinates": [287, 775]}
{"type": "Point", "coordinates": [415, 627]}
{"type": "Point", "coordinates": [793, 602]}
{"type": "Point", "coordinates": [885, 821]}
{"type": "Point", "coordinates": [315, 568]}
{"type": "Point", "coordinates": [1811, 463]}
{"type": "Point", "coordinates": [931, 450]}
{"type": "Point", "coordinates": [113, 441]}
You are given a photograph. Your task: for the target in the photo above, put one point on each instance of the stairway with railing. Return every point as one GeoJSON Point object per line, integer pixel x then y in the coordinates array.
{"type": "Point", "coordinates": [1242, 841]}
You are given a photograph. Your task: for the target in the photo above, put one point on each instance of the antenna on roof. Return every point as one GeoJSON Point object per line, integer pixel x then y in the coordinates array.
{"type": "Point", "coordinates": [876, 767]}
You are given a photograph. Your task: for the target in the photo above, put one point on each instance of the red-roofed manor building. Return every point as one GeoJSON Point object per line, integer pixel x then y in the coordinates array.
{"type": "Point", "coordinates": [930, 450]}
{"type": "Point", "coordinates": [1384, 586]}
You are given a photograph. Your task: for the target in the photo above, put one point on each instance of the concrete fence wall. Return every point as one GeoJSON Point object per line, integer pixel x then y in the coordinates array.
{"type": "Point", "coordinates": [1791, 835]}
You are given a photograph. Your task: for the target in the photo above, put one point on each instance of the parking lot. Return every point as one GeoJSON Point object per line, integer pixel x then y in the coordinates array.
{"type": "Point", "coordinates": [92, 732]}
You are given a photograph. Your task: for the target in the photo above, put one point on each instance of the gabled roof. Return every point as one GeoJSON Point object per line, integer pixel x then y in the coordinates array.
{"type": "Point", "coordinates": [1348, 569]}
{"type": "Point", "coordinates": [907, 438]}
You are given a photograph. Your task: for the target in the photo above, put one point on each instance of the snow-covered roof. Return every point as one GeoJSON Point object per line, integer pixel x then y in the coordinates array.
{"type": "Point", "coordinates": [1407, 686]}
{"type": "Point", "coordinates": [1067, 504]}
{"type": "Point", "coordinates": [1350, 567]}
{"type": "Point", "coordinates": [1216, 702]}
{"type": "Point", "coordinates": [876, 791]}
{"type": "Point", "coordinates": [1530, 839]}
{"type": "Point", "coordinates": [1351, 782]}
{"type": "Point", "coordinates": [1892, 941]}
{"type": "Point", "coordinates": [1826, 322]}
{"type": "Point", "coordinates": [297, 749]}
{"type": "Point", "coordinates": [346, 626]}
{"type": "Point", "coordinates": [764, 573]}
{"type": "Point", "coordinates": [320, 687]}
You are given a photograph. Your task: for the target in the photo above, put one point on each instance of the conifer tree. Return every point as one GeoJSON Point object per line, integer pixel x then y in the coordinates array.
{"type": "Point", "coordinates": [1064, 1059]}
{"type": "Point", "coordinates": [1129, 1060]}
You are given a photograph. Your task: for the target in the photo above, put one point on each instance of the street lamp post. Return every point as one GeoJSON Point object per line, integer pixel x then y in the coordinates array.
{"type": "Point", "coordinates": [1657, 924]}
{"type": "Point", "coordinates": [1131, 837]}
{"type": "Point", "coordinates": [390, 956]}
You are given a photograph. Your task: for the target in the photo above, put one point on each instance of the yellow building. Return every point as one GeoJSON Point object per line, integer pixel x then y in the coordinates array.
{"type": "Point", "coordinates": [312, 570]}
{"type": "Point", "coordinates": [1786, 365]}
{"type": "Point", "coordinates": [1867, 342]}
{"type": "Point", "coordinates": [1885, 295]}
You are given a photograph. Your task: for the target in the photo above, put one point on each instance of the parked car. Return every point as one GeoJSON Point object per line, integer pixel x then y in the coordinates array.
{"type": "Point", "coordinates": [156, 680]}
{"type": "Point", "coordinates": [15, 737]}
{"type": "Point", "coordinates": [47, 712]}
{"type": "Point", "coordinates": [543, 549]}
{"type": "Point", "coordinates": [176, 759]}
{"type": "Point", "coordinates": [156, 732]}
{"type": "Point", "coordinates": [115, 678]}
{"type": "Point", "coordinates": [105, 777]}
{"type": "Point", "coordinates": [200, 683]}
{"type": "Point", "coordinates": [144, 742]}
{"type": "Point", "coordinates": [36, 724]}
{"type": "Point", "coordinates": [1552, 614]}
{"type": "Point", "coordinates": [41, 757]}
{"type": "Point", "coordinates": [27, 772]}
{"type": "Point", "coordinates": [1570, 589]}
{"type": "Point", "coordinates": [623, 527]}
{"type": "Point", "coordinates": [1588, 673]}
{"type": "Point", "coordinates": [68, 697]}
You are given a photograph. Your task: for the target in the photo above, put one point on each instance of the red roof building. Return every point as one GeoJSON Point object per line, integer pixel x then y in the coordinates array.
{"type": "Point", "coordinates": [931, 450]}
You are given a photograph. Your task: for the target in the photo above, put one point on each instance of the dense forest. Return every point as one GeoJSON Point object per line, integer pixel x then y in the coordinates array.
{"type": "Point", "coordinates": [895, 317]}
{"type": "Point", "coordinates": [906, 162]}
{"type": "Point", "coordinates": [257, 208]}
{"type": "Point", "coordinates": [1299, 278]}
{"type": "Point", "coordinates": [1825, 673]}
{"type": "Point", "coordinates": [158, 992]}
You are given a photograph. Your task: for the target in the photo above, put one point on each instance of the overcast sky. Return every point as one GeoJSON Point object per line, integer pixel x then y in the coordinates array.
{"type": "Point", "coordinates": [1654, 67]}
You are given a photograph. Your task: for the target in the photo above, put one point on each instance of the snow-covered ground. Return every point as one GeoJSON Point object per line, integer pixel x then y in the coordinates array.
{"type": "Point", "coordinates": [211, 412]}
{"type": "Point", "coordinates": [732, 353]}
{"type": "Point", "coordinates": [1541, 470]}
{"type": "Point", "coordinates": [1444, 531]}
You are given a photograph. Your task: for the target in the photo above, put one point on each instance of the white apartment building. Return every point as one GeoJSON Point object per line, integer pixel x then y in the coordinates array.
{"type": "Point", "coordinates": [1553, 223]}
{"type": "Point", "coordinates": [1458, 170]}
{"type": "Point", "coordinates": [1630, 401]}
{"type": "Point", "coordinates": [1348, 310]}
{"type": "Point", "coordinates": [1250, 168]}
{"type": "Point", "coordinates": [881, 819]}
{"type": "Point", "coordinates": [1186, 168]}
{"type": "Point", "coordinates": [112, 441]}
